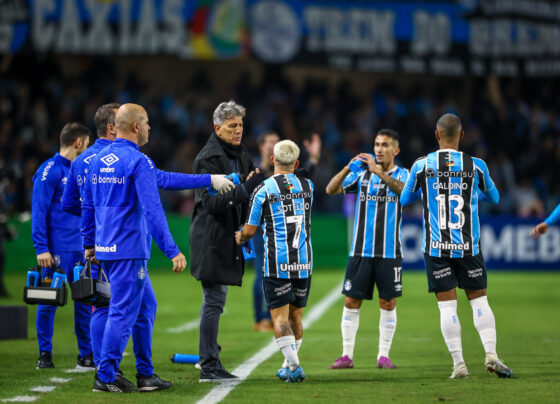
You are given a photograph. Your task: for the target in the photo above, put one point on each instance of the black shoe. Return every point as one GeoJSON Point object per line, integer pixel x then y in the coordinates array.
{"type": "Point", "coordinates": [151, 383]}
{"type": "Point", "coordinates": [120, 385]}
{"type": "Point", "coordinates": [45, 361]}
{"type": "Point", "coordinates": [217, 375]}
{"type": "Point", "coordinates": [85, 363]}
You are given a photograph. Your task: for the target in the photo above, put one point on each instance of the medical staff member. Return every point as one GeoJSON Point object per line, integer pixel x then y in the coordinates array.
{"type": "Point", "coordinates": [56, 238]}
{"type": "Point", "coordinates": [120, 207]}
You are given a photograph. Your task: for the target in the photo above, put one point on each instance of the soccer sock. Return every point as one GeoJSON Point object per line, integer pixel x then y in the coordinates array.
{"type": "Point", "coordinates": [451, 329]}
{"type": "Point", "coordinates": [287, 346]}
{"type": "Point", "coordinates": [484, 323]}
{"type": "Point", "coordinates": [349, 327]}
{"type": "Point", "coordinates": [387, 327]}
{"type": "Point", "coordinates": [298, 344]}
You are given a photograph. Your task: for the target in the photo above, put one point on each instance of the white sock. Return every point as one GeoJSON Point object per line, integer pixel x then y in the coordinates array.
{"type": "Point", "coordinates": [349, 327]}
{"type": "Point", "coordinates": [451, 329]}
{"type": "Point", "coordinates": [287, 346]}
{"type": "Point", "coordinates": [387, 327]}
{"type": "Point", "coordinates": [484, 323]}
{"type": "Point", "coordinates": [298, 344]}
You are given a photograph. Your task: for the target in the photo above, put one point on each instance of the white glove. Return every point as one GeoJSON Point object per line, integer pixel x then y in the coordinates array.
{"type": "Point", "coordinates": [221, 184]}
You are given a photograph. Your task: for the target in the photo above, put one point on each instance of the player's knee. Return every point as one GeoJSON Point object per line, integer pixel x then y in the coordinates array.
{"type": "Point", "coordinates": [351, 303]}
{"type": "Point", "coordinates": [388, 304]}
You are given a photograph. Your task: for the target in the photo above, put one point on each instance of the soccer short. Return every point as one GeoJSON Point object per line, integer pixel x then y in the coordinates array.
{"type": "Point", "coordinates": [363, 273]}
{"type": "Point", "coordinates": [448, 273]}
{"type": "Point", "coordinates": [280, 292]}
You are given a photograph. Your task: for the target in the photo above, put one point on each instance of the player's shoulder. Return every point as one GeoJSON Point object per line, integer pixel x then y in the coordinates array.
{"type": "Point", "coordinates": [478, 162]}
{"type": "Point", "coordinates": [47, 170]}
{"type": "Point", "coordinates": [420, 161]}
{"type": "Point", "coordinates": [304, 180]}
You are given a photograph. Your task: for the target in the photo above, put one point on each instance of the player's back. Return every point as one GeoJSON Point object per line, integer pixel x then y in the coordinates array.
{"type": "Point", "coordinates": [287, 223]}
{"type": "Point", "coordinates": [450, 180]}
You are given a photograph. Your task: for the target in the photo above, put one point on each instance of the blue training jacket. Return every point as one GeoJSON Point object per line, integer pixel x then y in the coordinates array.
{"type": "Point", "coordinates": [73, 193]}
{"type": "Point", "coordinates": [121, 205]}
{"type": "Point", "coordinates": [53, 230]}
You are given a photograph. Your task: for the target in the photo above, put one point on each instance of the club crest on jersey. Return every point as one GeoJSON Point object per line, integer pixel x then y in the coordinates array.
{"type": "Point", "coordinates": [289, 187]}
{"type": "Point", "coordinates": [347, 284]}
{"type": "Point", "coordinates": [141, 273]}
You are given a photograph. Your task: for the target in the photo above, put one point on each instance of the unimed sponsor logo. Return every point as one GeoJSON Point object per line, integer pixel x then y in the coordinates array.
{"type": "Point", "coordinates": [112, 248]}
{"type": "Point", "coordinates": [451, 246]}
{"type": "Point", "coordinates": [295, 267]}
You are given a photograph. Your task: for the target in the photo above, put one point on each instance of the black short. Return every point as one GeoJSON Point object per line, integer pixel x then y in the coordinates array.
{"type": "Point", "coordinates": [280, 292]}
{"type": "Point", "coordinates": [448, 273]}
{"type": "Point", "coordinates": [363, 273]}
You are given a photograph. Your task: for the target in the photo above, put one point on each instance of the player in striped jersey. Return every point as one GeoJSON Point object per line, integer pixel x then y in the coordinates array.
{"type": "Point", "coordinates": [542, 227]}
{"type": "Point", "coordinates": [282, 205]}
{"type": "Point", "coordinates": [375, 255]}
{"type": "Point", "coordinates": [450, 184]}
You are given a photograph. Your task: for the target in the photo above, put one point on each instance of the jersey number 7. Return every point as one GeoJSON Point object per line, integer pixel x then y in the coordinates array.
{"type": "Point", "coordinates": [298, 220]}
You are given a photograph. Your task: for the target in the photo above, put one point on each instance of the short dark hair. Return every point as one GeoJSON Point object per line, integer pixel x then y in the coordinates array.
{"type": "Point", "coordinates": [449, 125]}
{"type": "Point", "coordinates": [262, 137]}
{"type": "Point", "coordinates": [72, 131]}
{"type": "Point", "coordinates": [393, 134]}
{"type": "Point", "coordinates": [104, 116]}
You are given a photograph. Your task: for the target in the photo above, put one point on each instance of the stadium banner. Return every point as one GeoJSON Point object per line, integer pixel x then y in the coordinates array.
{"type": "Point", "coordinates": [505, 241]}
{"type": "Point", "coordinates": [452, 38]}
{"type": "Point", "coordinates": [204, 29]}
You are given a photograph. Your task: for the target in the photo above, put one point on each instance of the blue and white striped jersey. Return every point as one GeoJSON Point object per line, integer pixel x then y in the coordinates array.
{"type": "Point", "coordinates": [282, 204]}
{"type": "Point", "coordinates": [378, 215]}
{"type": "Point", "coordinates": [449, 181]}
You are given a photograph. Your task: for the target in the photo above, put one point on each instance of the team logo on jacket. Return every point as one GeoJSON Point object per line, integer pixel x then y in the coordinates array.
{"type": "Point", "coordinates": [79, 180]}
{"type": "Point", "coordinates": [141, 273]}
{"type": "Point", "coordinates": [109, 159]}
{"type": "Point", "coordinates": [94, 179]}
{"type": "Point", "coordinates": [348, 284]}
{"type": "Point", "coordinates": [56, 259]}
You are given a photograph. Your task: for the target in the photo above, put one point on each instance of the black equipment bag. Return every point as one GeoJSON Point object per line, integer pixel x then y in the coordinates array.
{"type": "Point", "coordinates": [88, 290]}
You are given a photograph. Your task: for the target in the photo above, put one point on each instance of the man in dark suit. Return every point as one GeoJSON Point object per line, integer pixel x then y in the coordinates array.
{"type": "Point", "coordinates": [216, 260]}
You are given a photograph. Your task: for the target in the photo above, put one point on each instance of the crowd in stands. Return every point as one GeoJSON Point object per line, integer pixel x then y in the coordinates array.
{"type": "Point", "coordinates": [513, 124]}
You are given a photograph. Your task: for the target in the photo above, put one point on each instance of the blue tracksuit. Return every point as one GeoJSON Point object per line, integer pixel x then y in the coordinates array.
{"type": "Point", "coordinates": [71, 203]}
{"type": "Point", "coordinates": [57, 232]}
{"type": "Point", "coordinates": [120, 209]}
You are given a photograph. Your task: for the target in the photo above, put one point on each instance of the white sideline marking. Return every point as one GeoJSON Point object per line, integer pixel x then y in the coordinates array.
{"type": "Point", "coordinates": [188, 326]}
{"type": "Point", "coordinates": [221, 390]}
{"type": "Point", "coordinates": [20, 399]}
{"type": "Point", "coordinates": [42, 389]}
{"type": "Point", "coordinates": [79, 370]}
{"type": "Point", "coordinates": [59, 380]}
{"type": "Point", "coordinates": [126, 354]}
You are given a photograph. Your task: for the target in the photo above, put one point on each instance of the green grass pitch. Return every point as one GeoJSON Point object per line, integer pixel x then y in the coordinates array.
{"type": "Point", "coordinates": [526, 306]}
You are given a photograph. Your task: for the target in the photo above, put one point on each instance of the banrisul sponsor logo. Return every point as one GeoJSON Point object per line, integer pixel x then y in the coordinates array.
{"type": "Point", "coordinates": [295, 267]}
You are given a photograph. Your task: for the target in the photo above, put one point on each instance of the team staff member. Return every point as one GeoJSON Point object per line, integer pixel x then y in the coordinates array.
{"type": "Point", "coordinates": [217, 261]}
{"type": "Point", "coordinates": [375, 256]}
{"type": "Point", "coordinates": [121, 205]}
{"type": "Point", "coordinates": [282, 204]}
{"type": "Point", "coordinates": [104, 120]}
{"type": "Point", "coordinates": [449, 181]}
{"type": "Point", "coordinates": [56, 238]}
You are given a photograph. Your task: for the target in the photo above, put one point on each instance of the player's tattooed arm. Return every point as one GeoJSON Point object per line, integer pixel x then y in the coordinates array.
{"type": "Point", "coordinates": [395, 185]}
{"type": "Point", "coordinates": [335, 184]}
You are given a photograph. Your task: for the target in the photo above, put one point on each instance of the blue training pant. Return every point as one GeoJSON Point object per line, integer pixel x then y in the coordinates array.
{"type": "Point", "coordinates": [82, 312]}
{"type": "Point", "coordinates": [259, 304]}
{"type": "Point", "coordinates": [132, 311]}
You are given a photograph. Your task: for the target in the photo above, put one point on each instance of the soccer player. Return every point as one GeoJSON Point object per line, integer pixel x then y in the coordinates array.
{"type": "Point", "coordinates": [449, 181]}
{"type": "Point", "coordinates": [104, 120]}
{"type": "Point", "coordinates": [56, 238]}
{"type": "Point", "coordinates": [375, 255]}
{"type": "Point", "coordinates": [120, 207]}
{"type": "Point", "coordinates": [542, 228]}
{"type": "Point", "coordinates": [282, 206]}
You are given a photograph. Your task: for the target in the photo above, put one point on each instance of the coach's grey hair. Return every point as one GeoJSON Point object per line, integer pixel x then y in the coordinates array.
{"type": "Point", "coordinates": [227, 110]}
{"type": "Point", "coordinates": [286, 152]}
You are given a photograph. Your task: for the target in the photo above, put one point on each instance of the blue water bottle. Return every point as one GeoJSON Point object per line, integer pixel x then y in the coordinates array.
{"type": "Point", "coordinates": [59, 277]}
{"type": "Point", "coordinates": [248, 251]}
{"type": "Point", "coordinates": [184, 358]}
{"type": "Point", "coordinates": [78, 268]}
{"type": "Point", "coordinates": [233, 177]}
{"type": "Point", "coordinates": [32, 274]}
{"type": "Point", "coordinates": [358, 165]}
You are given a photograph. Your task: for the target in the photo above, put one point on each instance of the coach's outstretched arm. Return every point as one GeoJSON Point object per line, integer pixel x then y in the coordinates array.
{"type": "Point", "coordinates": [145, 183]}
